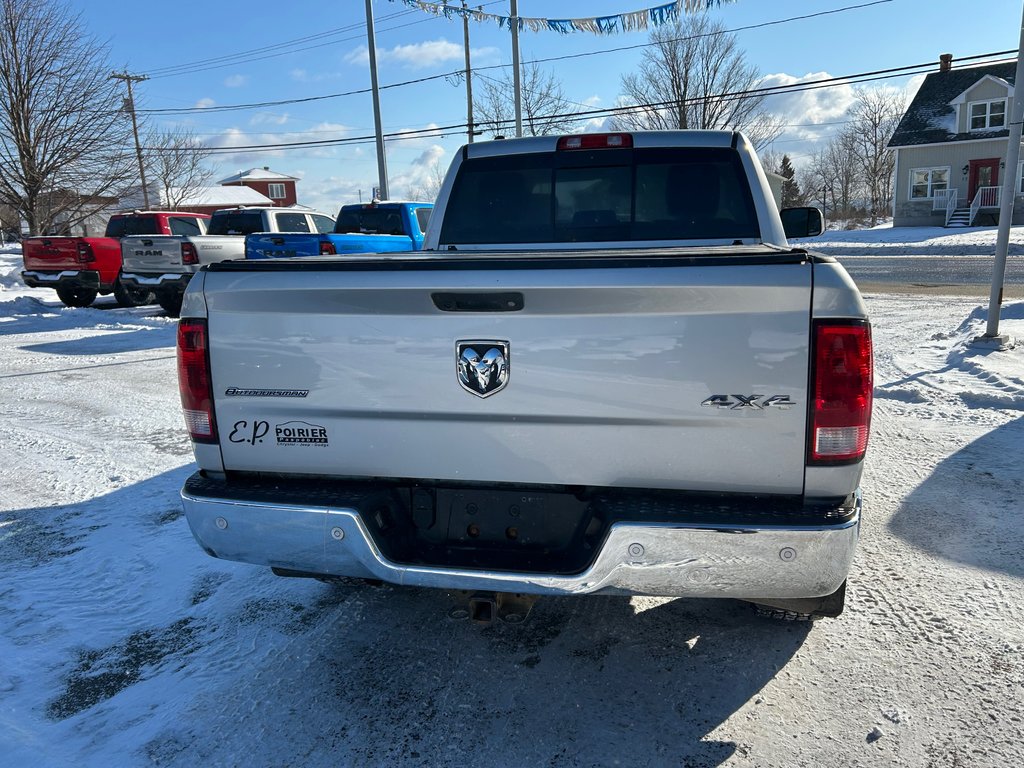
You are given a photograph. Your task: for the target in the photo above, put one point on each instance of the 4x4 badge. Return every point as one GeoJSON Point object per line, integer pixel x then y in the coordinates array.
{"type": "Point", "coordinates": [482, 366]}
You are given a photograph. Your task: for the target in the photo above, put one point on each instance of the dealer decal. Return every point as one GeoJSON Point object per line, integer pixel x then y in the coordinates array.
{"type": "Point", "coordinates": [300, 433]}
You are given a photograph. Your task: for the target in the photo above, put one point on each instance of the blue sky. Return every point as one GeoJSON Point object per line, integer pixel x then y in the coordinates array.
{"type": "Point", "coordinates": [159, 40]}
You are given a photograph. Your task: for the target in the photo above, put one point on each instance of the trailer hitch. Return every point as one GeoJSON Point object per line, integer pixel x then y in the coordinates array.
{"type": "Point", "coordinates": [487, 607]}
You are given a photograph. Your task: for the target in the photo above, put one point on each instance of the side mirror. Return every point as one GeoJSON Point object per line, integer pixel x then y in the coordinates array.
{"type": "Point", "coordinates": [802, 222]}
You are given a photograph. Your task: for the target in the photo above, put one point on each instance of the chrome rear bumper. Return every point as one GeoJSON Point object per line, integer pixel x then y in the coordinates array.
{"type": "Point", "coordinates": [734, 561]}
{"type": "Point", "coordinates": [74, 278]}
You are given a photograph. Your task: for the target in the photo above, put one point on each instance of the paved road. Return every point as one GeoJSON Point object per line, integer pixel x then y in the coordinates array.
{"type": "Point", "coordinates": [960, 275]}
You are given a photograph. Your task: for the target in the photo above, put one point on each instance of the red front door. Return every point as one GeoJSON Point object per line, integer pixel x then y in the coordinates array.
{"type": "Point", "coordinates": [984, 173]}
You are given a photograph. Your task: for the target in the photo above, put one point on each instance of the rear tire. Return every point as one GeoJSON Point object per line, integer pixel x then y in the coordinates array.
{"type": "Point", "coordinates": [76, 296]}
{"type": "Point", "coordinates": [131, 297]}
{"type": "Point", "coordinates": [804, 608]}
{"type": "Point", "coordinates": [171, 304]}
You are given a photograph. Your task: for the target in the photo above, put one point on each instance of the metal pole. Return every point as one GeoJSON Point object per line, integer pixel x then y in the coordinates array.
{"type": "Point", "coordinates": [382, 164]}
{"type": "Point", "coordinates": [469, 74]}
{"type": "Point", "coordinates": [1008, 194]}
{"type": "Point", "coordinates": [516, 85]}
{"type": "Point", "coordinates": [129, 79]}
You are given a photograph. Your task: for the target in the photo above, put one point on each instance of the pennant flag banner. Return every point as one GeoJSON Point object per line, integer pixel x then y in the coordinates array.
{"type": "Point", "coordinates": [599, 25]}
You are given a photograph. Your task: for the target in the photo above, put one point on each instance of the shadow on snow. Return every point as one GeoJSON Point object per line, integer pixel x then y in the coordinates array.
{"type": "Point", "coordinates": [969, 509]}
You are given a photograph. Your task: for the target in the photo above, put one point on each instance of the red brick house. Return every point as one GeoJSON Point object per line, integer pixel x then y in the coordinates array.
{"type": "Point", "coordinates": [280, 189]}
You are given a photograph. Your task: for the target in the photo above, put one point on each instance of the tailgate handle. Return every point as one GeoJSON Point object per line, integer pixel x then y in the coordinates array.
{"type": "Point", "coordinates": [478, 302]}
{"type": "Point", "coordinates": [277, 240]}
{"type": "Point", "coordinates": [147, 242]}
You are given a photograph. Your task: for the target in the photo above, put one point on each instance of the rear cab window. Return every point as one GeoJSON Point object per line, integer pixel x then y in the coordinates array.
{"type": "Point", "coordinates": [606, 195]}
{"type": "Point", "coordinates": [126, 226]}
{"type": "Point", "coordinates": [423, 218]}
{"type": "Point", "coordinates": [292, 222]}
{"type": "Point", "coordinates": [324, 224]}
{"type": "Point", "coordinates": [236, 223]}
{"type": "Point", "coordinates": [185, 226]}
{"type": "Point", "coordinates": [370, 221]}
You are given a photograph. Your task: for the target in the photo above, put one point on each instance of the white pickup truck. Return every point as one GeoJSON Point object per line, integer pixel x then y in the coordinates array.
{"type": "Point", "coordinates": [608, 372]}
{"type": "Point", "coordinates": [164, 264]}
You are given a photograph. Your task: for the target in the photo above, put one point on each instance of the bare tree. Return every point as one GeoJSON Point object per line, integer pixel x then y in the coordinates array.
{"type": "Point", "coordinates": [64, 140]}
{"type": "Point", "coordinates": [874, 117]}
{"type": "Point", "coordinates": [694, 75]}
{"type": "Point", "coordinates": [544, 105]}
{"type": "Point", "coordinates": [177, 162]}
{"type": "Point", "coordinates": [834, 173]}
{"type": "Point", "coordinates": [427, 186]}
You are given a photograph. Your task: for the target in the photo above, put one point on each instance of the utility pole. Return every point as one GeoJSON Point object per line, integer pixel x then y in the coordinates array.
{"type": "Point", "coordinates": [469, 81]}
{"type": "Point", "coordinates": [371, 44]}
{"type": "Point", "coordinates": [516, 85]}
{"type": "Point", "coordinates": [130, 106]}
{"type": "Point", "coordinates": [992, 335]}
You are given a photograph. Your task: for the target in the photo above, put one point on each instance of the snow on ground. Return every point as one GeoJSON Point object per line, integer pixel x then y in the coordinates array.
{"type": "Point", "coordinates": [122, 643]}
{"type": "Point", "coordinates": [887, 240]}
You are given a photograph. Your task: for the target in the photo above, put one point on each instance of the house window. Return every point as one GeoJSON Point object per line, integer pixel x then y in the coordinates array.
{"type": "Point", "coordinates": [925, 183]}
{"type": "Point", "coordinates": [988, 115]}
{"type": "Point", "coordinates": [276, 191]}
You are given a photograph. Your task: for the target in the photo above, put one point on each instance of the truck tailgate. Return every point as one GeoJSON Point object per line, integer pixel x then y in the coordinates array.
{"type": "Point", "coordinates": [281, 245]}
{"type": "Point", "coordinates": [52, 253]}
{"type": "Point", "coordinates": [672, 373]}
{"type": "Point", "coordinates": [150, 253]}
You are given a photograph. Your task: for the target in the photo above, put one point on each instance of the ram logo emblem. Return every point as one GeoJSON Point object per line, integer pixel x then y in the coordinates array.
{"type": "Point", "coordinates": [482, 366]}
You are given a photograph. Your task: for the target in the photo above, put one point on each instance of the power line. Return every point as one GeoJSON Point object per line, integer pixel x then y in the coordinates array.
{"type": "Point", "coordinates": [283, 102]}
{"type": "Point", "coordinates": [296, 45]}
{"type": "Point", "coordinates": [441, 131]}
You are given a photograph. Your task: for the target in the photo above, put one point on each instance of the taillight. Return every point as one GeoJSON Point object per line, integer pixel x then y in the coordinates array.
{"type": "Point", "coordinates": [327, 248]}
{"type": "Point", "coordinates": [596, 141]}
{"type": "Point", "coordinates": [843, 378]}
{"type": "Point", "coordinates": [188, 254]}
{"type": "Point", "coordinates": [85, 252]}
{"type": "Point", "coordinates": [194, 380]}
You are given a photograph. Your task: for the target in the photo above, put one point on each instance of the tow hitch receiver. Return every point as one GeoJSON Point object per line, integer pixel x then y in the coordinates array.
{"type": "Point", "coordinates": [487, 607]}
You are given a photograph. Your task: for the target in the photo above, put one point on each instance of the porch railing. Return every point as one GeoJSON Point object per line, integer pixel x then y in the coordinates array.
{"type": "Point", "coordinates": [942, 199]}
{"type": "Point", "coordinates": [985, 197]}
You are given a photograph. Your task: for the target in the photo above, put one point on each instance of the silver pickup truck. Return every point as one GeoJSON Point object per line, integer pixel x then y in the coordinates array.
{"type": "Point", "coordinates": [609, 372]}
{"type": "Point", "coordinates": [165, 264]}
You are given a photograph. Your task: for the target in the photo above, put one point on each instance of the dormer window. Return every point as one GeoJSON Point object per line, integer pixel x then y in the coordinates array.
{"type": "Point", "coordinates": [988, 115]}
{"type": "Point", "coordinates": [276, 192]}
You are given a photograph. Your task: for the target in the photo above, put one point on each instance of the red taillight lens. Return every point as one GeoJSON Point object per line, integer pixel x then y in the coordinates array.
{"type": "Point", "coordinates": [596, 141]}
{"type": "Point", "coordinates": [327, 248]}
{"type": "Point", "coordinates": [194, 380]}
{"type": "Point", "coordinates": [188, 254]}
{"type": "Point", "coordinates": [85, 253]}
{"type": "Point", "coordinates": [843, 379]}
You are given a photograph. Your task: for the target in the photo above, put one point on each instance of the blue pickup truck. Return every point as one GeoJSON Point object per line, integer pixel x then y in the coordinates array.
{"type": "Point", "coordinates": [361, 228]}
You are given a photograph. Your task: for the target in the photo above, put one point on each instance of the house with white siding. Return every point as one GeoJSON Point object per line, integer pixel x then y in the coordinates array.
{"type": "Point", "coordinates": [950, 148]}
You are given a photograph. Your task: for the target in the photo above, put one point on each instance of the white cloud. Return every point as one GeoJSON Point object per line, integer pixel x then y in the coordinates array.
{"type": "Point", "coordinates": [422, 55]}
{"type": "Point", "coordinates": [204, 103]}
{"type": "Point", "coordinates": [236, 137]}
{"type": "Point", "coordinates": [809, 107]}
{"type": "Point", "coordinates": [359, 55]}
{"type": "Point", "coordinates": [421, 175]}
{"type": "Point", "coordinates": [236, 81]}
{"type": "Point", "coordinates": [268, 118]}
{"type": "Point", "coordinates": [305, 76]}
{"type": "Point", "coordinates": [412, 138]}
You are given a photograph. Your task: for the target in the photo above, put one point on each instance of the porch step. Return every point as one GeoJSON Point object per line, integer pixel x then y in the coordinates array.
{"type": "Point", "coordinates": [961, 218]}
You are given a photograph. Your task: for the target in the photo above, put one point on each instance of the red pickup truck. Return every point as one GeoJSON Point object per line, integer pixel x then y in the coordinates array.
{"type": "Point", "coordinates": [79, 268]}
